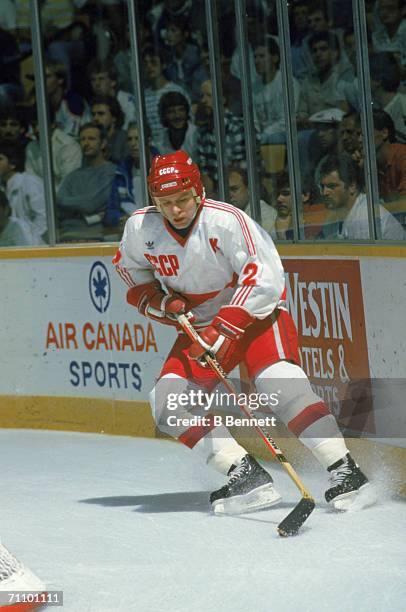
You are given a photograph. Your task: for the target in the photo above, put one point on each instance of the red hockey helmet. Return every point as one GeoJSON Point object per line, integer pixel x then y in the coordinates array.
{"type": "Point", "coordinates": [172, 173]}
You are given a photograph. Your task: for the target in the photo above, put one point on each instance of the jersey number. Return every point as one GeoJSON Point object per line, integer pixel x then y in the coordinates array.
{"type": "Point", "coordinates": [250, 272]}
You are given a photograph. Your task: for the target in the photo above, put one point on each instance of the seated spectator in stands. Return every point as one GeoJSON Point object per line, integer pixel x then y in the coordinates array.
{"type": "Point", "coordinates": [11, 90]}
{"type": "Point", "coordinates": [234, 142]}
{"type": "Point", "coordinates": [179, 132]}
{"type": "Point", "coordinates": [24, 191]}
{"type": "Point", "coordinates": [201, 74]}
{"type": "Point", "coordinates": [268, 109]}
{"type": "Point", "coordinates": [64, 36]}
{"type": "Point", "coordinates": [320, 22]}
{"type": "Point", "coordinates": [83, 194]}
{"type": "Point", "coordinates": [391, 162]}
{"type": "Point", "coordinates": [8, 15]}
{"type": "Point", "coordinates": [66, 152]}
{"type": "Point", "coordinates": [240, 197]}
{"type": "Point", "coordinates": [389, 30]}
{"type": "Point", "coordinates": [299, 30]}
{"type": "Point", "coordinates": [317, 19]}
{"type": "Point", "coordinates": [255, 15]}
{"type": "Point", "coordinates": [348, 87]}
{"type": "Point", "coordinates": [385, 82]}
{"type": "Point", "coordinates": [122, 60]}
{"type": "Point", "coordinates": [347, 204]}
{"type": "Point", "coordinates": [103, 82]}
{"type": "Point", "coordinates": [313, 213]}
{"type": "Point", "coordinates": [322, 141]}
{"type": "Point", "coordinates": [13, 125]}
{"type": "Point", "coordinates": [319, 90]}
{"type": "Point", "coordinates": [154, 65]}
{"type": "Point", "coordinates": [13, 231]}
{"type": "Point", "coordinates": [193, 12]}
{"type": "Point", "coordinates": [126, 192]}
{"type": "Point", "coordinates": [349, 133]}
{"type": "Point", "coordinates": [69, 108]}
{"type": "Point", "coordinates": [106, 111]}
{"type": "Point", "coordinates": [230, 82]}
{"type": "Point", "coordinates": [183, 57]}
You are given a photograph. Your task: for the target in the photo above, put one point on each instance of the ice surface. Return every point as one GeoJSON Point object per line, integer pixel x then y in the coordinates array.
{"type": "Point", "coordinates": [122, 524]}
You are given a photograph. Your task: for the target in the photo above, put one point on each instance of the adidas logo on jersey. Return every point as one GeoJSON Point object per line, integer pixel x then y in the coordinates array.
{"type": "Point", "coordinates": [149, 244]}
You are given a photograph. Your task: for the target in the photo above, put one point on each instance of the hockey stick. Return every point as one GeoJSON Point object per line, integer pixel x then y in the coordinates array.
{"type": "Point", "coordinates": [295, 519]}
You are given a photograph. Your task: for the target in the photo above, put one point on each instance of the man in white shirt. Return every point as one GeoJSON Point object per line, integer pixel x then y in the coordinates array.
{"type": "Point", "coordinates": [268, 109]}
{"type": "Point", "coordinates": [319, 90]}
{"type": "Point", "coordinates": [348, 219]}
{"type": "Point", "coordinates": [25, 192]}
{"type": "Point", "coordinates": [66, 153]}
{"type": "Point", "coordinates": [13, 231]}
{"type": "Point", "coordinates": [389, 33]}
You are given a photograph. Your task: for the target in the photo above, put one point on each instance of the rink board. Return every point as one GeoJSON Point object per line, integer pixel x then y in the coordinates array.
{"type": "Point", "coordinates": [76, 357]}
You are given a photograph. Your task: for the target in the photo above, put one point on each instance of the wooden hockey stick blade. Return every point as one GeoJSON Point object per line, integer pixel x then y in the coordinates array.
{"type": "Point", "coordinates": [295, 519]}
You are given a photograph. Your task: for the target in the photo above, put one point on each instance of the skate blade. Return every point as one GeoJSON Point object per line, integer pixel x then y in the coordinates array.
{"type": "Point", "coordinates": [356, 500]}
{"type": "Point", "coordinates": [262, 497]}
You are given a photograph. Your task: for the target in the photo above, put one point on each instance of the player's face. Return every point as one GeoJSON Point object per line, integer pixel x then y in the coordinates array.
{"type": "Point", "coordinates": [335, 193]}
{"type": "Point", "coordinates": [179, 208]}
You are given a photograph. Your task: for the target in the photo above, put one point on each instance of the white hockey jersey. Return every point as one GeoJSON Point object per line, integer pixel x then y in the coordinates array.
{"type": "Point", "coordinates": [226, 259]}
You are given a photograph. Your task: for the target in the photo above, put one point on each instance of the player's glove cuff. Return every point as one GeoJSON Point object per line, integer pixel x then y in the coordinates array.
{"type": "Point", "coordinates": [232, 321]}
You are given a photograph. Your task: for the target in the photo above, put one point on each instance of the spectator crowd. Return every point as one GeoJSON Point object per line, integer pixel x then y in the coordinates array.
{"type": "Point", "coordinates": [94, 137]}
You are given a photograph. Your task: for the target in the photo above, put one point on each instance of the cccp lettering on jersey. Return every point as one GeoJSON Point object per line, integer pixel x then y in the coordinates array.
{"type": "Point", "coordinates": [169, 170]}
{"type": "Point", "coordinates": [165, 265]}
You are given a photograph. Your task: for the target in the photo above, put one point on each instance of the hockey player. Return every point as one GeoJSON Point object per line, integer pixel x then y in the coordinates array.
{"type": "Point", "coordinates": [190, 254]}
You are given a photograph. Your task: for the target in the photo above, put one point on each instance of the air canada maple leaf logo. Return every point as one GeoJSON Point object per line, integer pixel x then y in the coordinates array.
{"type": "Point", "coordinates": [99, 286]}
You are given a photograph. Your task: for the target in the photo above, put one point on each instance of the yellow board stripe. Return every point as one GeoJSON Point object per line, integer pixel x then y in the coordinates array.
{"type": "Point", "coordinates": [285, 250]}
{"type": "Point", "coordinates": [86, 414]}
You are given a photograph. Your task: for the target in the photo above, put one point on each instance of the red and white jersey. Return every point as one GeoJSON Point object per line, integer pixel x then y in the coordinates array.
{"type": "Point", "coordinates": [226, 259]}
